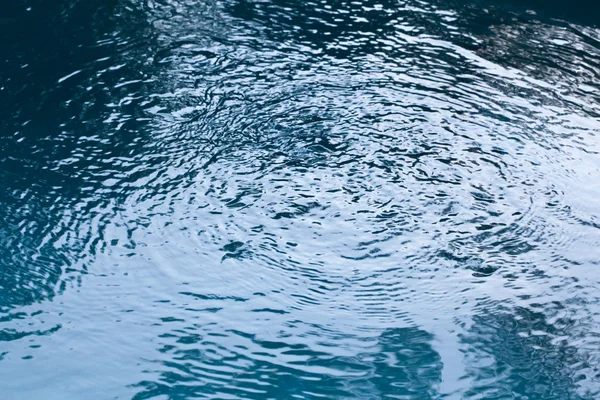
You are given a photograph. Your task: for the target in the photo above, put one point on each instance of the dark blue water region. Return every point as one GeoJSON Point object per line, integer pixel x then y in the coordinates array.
{"type": "Point", "coordinates": [244, 199]}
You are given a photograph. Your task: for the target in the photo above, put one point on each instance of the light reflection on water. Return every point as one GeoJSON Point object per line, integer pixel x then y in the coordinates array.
{"type": "Point", "coordinates": [274, 199]}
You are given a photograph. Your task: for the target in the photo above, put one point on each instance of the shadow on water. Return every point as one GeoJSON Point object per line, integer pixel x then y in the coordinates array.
{"type": "Point", "coordinates": [56, 147]}
{"type": "Point", "coordinates": [400, 363]}
{"type": "Point", "coordinates": [577, 11]}
{"type": "Point", "coordinates": [519, 353]}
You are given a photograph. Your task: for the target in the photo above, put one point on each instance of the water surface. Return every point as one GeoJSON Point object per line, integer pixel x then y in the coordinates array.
{"type": "Point", "coordinates": [299, 199]}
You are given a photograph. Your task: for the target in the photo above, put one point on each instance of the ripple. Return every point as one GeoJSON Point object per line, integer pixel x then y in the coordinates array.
{"type": "Point", "coordinates": [268, 199]}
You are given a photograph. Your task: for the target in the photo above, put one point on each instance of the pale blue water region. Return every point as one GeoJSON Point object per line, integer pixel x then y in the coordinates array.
{"type": "Point", "coordinates": [321, 199]}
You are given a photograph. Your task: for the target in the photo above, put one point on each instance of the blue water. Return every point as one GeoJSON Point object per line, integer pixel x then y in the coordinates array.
{"type": "Point", "coordinates": [269, 199]}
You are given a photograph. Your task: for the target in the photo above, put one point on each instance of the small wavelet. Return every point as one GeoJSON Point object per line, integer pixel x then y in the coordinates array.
{"type": "Point", "coordinates": [299, 199]}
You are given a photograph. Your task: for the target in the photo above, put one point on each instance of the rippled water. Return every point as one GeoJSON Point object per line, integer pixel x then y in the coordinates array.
{"type": "Point", "coordinates": [299, 199]}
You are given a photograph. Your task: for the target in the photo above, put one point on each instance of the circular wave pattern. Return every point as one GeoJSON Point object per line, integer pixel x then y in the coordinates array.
{"type": "Point", "coordinates": [299, 199]}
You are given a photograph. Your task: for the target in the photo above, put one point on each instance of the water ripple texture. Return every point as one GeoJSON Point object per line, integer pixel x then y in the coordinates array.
{"type": "Point", "coordinates": [244, 199]}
